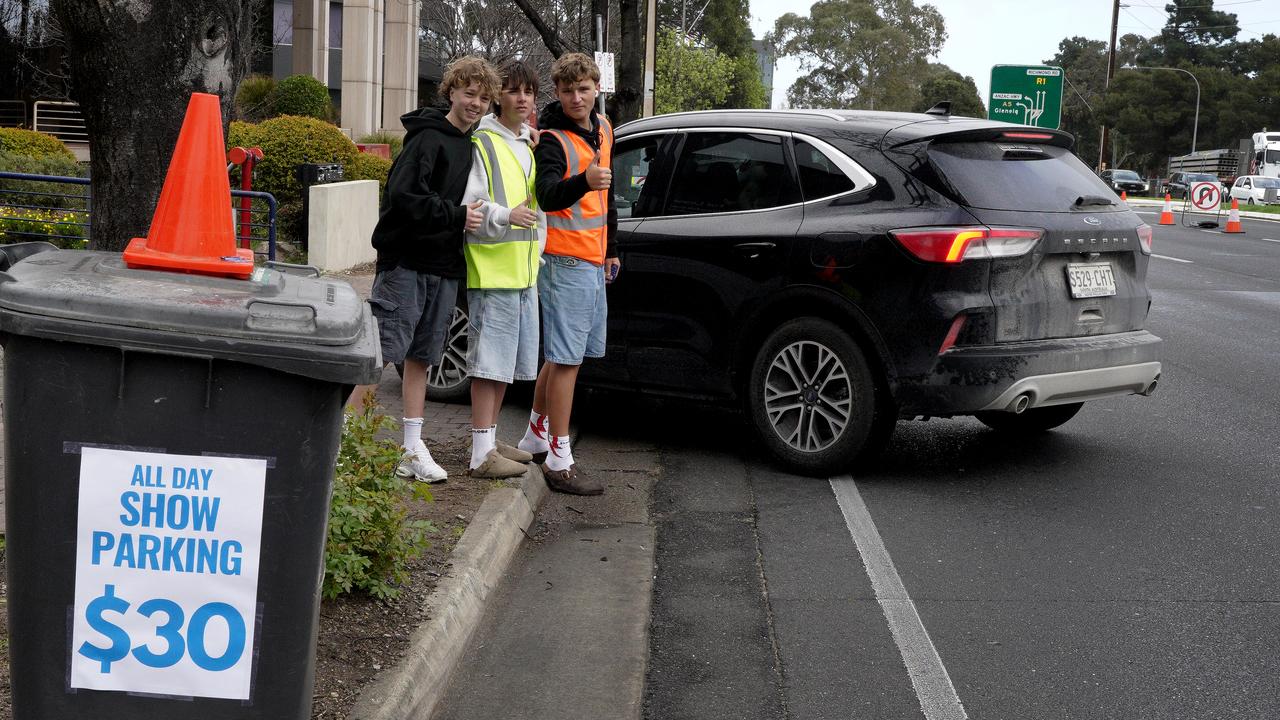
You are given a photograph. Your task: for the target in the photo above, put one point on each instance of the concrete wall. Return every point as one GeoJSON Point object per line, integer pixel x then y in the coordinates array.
{"type": "Point", "coordinates": [340, 224]}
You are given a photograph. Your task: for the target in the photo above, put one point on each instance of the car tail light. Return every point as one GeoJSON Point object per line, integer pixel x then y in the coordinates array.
{"type": "Point", "coordinates": [957, 244]}
{"type": "Point", "coordinates": [1144, 238]}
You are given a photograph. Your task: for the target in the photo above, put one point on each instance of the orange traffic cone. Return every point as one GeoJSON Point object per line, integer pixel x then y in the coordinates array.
{"type": "Point", "coordinates": [1233, 218]}
{"type": "Point", "coordinates": [192, 229]}
{"type": "Point", "coordinates": [1124, 196]}
{"type": "Point", "coordinates": [1166, 215]}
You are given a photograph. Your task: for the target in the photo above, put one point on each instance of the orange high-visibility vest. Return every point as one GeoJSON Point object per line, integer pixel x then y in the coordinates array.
{"type": "Point", "coordinates": [581, 230]}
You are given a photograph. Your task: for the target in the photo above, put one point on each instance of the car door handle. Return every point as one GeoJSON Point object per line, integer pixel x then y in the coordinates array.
{"type": "Point", "coordinates": [753, 250]}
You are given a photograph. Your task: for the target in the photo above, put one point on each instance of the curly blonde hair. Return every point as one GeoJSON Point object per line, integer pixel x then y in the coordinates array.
{"type": "Point", "coordinates": [574, 67]}
{"type": "Point", "coordinates": [470, 69]}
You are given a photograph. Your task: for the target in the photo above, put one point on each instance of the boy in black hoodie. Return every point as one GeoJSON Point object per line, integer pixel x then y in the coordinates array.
{"type": "Point", "coordinates": [419, 243]}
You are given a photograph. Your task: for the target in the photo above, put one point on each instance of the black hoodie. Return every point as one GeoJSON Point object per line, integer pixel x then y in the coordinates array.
{"type": "Point", "coordinates": [422, 217]}
{"type": "Point", "coordinates": [554, 191]}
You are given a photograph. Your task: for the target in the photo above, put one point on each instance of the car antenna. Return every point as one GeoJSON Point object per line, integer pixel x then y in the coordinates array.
{"type": "Point", "coordinates": [942, 109]}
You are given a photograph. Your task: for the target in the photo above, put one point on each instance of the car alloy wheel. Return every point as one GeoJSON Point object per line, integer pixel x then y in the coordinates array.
{"type": "Point", "coordinates": [448, 379]}
{"type": "Point", "coordinates": [811, 397]}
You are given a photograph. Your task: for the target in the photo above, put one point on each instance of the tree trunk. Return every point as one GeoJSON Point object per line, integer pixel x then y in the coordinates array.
{"type": "Point", "coordinates": [630, 96]}
{"type": "Point", "coordinates": [134, 65]}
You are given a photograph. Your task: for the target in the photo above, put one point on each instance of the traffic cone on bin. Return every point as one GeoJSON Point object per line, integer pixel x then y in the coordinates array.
{"type": "Point", "coordinates": [1166, 215]}
{"type": "Point", "coordinates": [192, 229]}
{"type": "Point", "coordinates": [1233, 218]}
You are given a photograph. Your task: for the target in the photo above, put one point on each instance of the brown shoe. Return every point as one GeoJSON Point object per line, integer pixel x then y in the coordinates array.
{"type": "Point", "coordinates": [511, 452]}
{"type": "Point", "coordinates": [495, 467]}
{"type": "Point", "coordinates": [572, 481]}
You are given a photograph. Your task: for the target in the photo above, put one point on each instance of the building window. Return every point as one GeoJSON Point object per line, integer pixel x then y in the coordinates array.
{"type": "Point", "coordinates": [282, 23]}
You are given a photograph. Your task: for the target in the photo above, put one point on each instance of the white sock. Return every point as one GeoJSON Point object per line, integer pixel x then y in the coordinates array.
{"type": "Point", "coordinates": [535, 434]}
{"type": "Point", "coordinates": [482, 441]}
{"type": "Point", "coordinates": [559, 457]}
{"type": "Point", "coordinates": [412, 433]}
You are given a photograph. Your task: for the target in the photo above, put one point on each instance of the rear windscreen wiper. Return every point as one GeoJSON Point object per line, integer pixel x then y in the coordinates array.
{"type": "Point", "coordinates": [1087, 200]}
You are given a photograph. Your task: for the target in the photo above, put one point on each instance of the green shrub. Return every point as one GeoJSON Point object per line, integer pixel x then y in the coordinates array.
{"type": "Point", "coordinates": [43, 194]}
{"type": "Point", "coordinates": [301, 95]}
{"type": "Point", "coordinates": [368, 167]}
{"type": "Point", "coordinates": [60, 227]}
{"type": "Point", "coordinates": [395, 141]}
{"type": "Point", "coordinates": [32, 144]}
{"type": "Point", "coordinates": [286, 143]}
{"type": "Point", "coordinates": [253, 99]}
{"type": "Point", "coordinates": [370, 541]}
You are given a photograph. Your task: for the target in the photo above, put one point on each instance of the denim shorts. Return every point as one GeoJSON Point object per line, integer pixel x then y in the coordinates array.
{"type": "Point", "coordinates": [413, 310]}
{"type": "Point", "coordinates": [574, 309]}
{"type": "Point", "coordinates": [502, 334]}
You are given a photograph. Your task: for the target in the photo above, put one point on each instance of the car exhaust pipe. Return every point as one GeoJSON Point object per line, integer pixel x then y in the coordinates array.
{"type": "Point", "coordinates": [1152, 387]}
{"type": "Point", "coordinates": [1020, 404]}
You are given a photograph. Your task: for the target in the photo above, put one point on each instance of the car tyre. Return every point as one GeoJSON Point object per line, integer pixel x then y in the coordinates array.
{"type": "Point", "coordinates": [811, 398]}
{"type": "Point", "coordinates": [449, 381]}
{"type": "Point", "coordinates": [1030, 422]}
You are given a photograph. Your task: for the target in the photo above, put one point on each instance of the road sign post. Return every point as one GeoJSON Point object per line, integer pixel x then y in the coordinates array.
{"type": "Point", "coordinates": [1026, 95]}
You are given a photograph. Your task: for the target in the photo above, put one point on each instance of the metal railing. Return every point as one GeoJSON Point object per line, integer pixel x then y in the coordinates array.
{"type": "Point", "coordinates": [62, 120]}
{"type": "Point", "coordinates": [53, 207]}
{"type": "Point", "coordinates": [13, 113]}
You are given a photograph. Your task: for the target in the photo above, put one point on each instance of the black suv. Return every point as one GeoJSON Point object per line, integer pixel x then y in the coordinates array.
{"type": "Point", "coordinates": [834, 271]}
{"type": "Point", "coordinates": [1124, 181]}
{"type": "Point", "coordinates": [1179, 183]}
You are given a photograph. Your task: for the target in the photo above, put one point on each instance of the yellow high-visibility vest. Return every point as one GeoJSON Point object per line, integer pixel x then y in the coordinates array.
{"type": "Point", "coordinates": [509, 262]}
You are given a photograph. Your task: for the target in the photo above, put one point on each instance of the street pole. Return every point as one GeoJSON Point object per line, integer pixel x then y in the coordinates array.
{"type": "Point", "coordinates": [600, 47]}
{"type": "Point", "coordinates": [1195, 128]}
{"type": "Point", "coordinates": [650, 54]}
{"type": "Point", "coordinates": [1111, 70]}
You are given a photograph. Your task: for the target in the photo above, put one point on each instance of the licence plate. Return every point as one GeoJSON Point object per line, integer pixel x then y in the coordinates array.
{"type": "Point", "coordinates": [1091, 280]}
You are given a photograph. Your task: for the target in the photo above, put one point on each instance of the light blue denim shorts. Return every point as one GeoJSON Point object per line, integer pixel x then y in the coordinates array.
{"type": "Point", "coordinates": [574, 309]}
{"type": "Point", "coordinates": [502, 334]}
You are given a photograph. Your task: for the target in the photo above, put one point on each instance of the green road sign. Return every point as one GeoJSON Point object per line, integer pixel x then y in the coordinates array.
{"type": "Point", "coordinates": [1026, 95]}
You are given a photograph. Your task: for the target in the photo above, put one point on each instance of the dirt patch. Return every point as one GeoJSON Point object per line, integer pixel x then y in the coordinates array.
{"type": "Point", "coordinates": [359, 636]}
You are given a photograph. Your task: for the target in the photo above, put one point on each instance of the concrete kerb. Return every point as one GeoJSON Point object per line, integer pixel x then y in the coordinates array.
{"type": "Point", "coordinates": [413, 687]}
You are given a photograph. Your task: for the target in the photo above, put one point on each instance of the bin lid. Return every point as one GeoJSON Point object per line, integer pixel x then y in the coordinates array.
{"type": "Point", "coordinates": [316, 327]}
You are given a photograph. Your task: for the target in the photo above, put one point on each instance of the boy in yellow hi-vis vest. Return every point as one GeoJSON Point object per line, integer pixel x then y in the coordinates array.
{"type": "Point", "coordinates": [502, 268]}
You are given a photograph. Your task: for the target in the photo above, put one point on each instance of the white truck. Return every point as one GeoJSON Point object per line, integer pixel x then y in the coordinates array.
{"type": "Point", "coordinates": [1265, 159]}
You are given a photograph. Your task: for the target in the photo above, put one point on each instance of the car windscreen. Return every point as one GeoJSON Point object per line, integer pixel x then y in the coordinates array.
{"type": "Point", "coordinates": [1200, 177]}
{"type": "Point", "coordinates": [1127, 175]}
{"type": "Point", "coordinates": [1010, 176]}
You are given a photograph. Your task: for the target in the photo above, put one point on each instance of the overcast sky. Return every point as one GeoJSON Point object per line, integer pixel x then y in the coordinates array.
{"type": "Point", "coordinates": [982, 33]}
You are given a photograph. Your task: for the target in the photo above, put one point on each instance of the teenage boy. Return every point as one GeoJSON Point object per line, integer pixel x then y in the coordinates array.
{"type": "Point", "coordinates": [419, 242]}
{"type": "Point", "coordinates": [573, 187]}
{"type": "Point", "coordinates": [502, 268]}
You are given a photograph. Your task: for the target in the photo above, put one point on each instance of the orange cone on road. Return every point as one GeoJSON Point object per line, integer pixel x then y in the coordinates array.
{"type": "Point", "coordinates": [1124, 196]}
{"type": "Point", "coordinates": [1166, 215]}
{"type": "Point", "coordinates": [191, 230]}
{"type": "Point", "coordinates": [1233, 218]}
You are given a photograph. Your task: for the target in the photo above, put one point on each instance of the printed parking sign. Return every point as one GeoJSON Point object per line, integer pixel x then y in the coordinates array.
{"type": "Point", "coordinates": [167, 550]}
{"type": "Point", "coordinates": [1206, 196]}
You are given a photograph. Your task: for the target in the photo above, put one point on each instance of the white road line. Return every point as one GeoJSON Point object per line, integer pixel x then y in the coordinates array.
{"type": "Point", "coordinates": [1269, 240]}
{"type": "Point", "coordinates": [933, 686]}
{"type": "Point", "coordinates": [1166, 257]}
{"type": "Point", "coordinates": [1214, 232]}
{"type": "Point", "coordinates": [1145, 212]}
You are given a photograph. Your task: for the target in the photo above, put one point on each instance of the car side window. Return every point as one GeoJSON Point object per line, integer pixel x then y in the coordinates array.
{"type": "Point", "coordinates": [731, 172]}
{"type": "Point", "coordinates": [633, 195]}
{"type": "Point", "coordinates": [819, 175]}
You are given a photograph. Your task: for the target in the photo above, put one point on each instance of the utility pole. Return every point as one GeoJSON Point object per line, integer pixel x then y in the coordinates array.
{"type": "Point", "coordinates": [1111, 69]}
{"type": "Point", "coordinates": [650, 54]}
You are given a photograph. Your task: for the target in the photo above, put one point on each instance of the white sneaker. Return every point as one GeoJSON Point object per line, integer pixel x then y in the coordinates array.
{"type": "Point", "coordinates": [419, 465]}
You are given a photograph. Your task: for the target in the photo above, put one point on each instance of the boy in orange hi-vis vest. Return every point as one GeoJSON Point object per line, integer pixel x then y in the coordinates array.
{"type": "Point", "coordinates": [573, 186]}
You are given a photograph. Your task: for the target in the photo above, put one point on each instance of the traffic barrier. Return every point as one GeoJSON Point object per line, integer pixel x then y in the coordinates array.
{"type": "Point", "coordinates": [1166, 215]}
{"type": "Point", "coordinates": [192, 229]}
{"type": "Point", "coordinates": [1233, 218]}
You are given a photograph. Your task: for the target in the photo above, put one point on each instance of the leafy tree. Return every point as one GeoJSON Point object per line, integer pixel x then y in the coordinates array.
{"type": "Point", "coordinates": [689, 77]}
{"type": "Point", "coordinates": [942, 83]}
{"type": "Point", "coordinates": [1197, 34]}
{"type": "Point", "coordinates": [725, 26]}
{"type": "Point", "coordinates": [860, 53]}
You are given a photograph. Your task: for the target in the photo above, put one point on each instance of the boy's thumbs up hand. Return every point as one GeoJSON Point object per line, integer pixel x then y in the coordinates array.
{"type": "Point", "coordinates": [523, 216]}
{"type": "Point", "coordinates": [598, 178]}
{"type": "Point", "coordinates": [475, 215]}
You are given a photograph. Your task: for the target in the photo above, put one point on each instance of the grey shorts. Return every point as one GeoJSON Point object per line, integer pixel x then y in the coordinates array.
{"type": "Point", "coordinates": [413, 310]}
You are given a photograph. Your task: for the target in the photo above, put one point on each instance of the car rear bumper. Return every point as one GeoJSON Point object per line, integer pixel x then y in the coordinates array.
{"type": "Point", "coordinates": [1044, 372]}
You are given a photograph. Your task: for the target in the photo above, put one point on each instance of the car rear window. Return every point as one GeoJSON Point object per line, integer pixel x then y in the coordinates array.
{"type": "Point", "coordinates": [1013, 176]}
